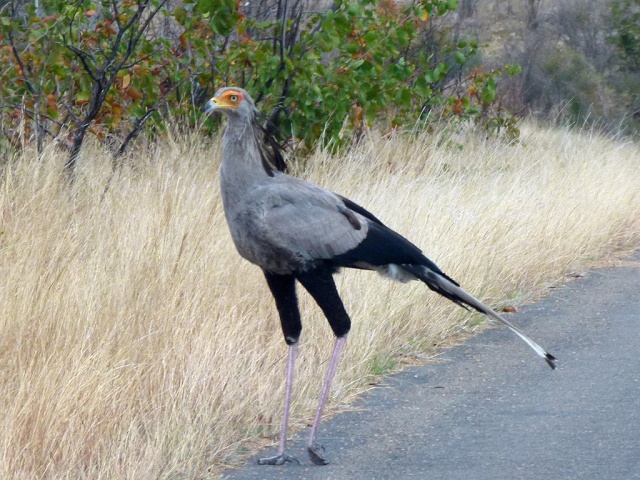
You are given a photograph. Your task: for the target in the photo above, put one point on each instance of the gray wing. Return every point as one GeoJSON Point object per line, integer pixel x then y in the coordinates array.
{"type": "Point", "coordinates": [302, 222]}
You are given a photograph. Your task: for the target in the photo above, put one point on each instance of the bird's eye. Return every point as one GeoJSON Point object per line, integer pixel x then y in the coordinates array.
{"type": "Point", "coordinates": [233, 98]}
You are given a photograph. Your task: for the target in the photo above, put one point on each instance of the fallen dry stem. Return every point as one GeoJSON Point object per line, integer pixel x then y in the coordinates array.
{"type": "Point", "coordinates": [135, 343]}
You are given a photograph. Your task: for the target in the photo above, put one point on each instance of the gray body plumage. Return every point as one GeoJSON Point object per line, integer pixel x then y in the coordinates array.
{"type": "Point", "coordinates": [281, 223]}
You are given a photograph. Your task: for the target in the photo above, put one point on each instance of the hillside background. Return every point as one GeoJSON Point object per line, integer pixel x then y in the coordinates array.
{"type": "Point", "coordinates": [579, 61]}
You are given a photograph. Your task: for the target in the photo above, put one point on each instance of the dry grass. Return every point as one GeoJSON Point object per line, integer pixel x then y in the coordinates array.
{"type": "Point", "coordinates": [136, 344]}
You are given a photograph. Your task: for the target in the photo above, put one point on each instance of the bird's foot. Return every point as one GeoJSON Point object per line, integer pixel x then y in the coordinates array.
{"type": "Point", "coordinates": [316, 454]}
{"type": "Point", "coordinates": [278, 460]}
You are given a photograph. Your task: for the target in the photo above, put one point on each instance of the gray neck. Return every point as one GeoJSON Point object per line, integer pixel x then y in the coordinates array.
{"type": "Point", "coordinates": [241, 169]}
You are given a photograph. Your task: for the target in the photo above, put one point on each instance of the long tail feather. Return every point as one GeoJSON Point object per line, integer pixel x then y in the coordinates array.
{"type": "Point", "coordinates": [450, 290]}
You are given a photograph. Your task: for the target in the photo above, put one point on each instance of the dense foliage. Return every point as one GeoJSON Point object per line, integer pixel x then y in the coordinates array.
{"type": "Point", "coordinates": [625, 20]}
{"type": "Point", "coordinates": [115, 68]}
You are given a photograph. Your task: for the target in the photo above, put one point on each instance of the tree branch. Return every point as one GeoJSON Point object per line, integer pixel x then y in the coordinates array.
{"type": "Point", "coordinates": [16, 54]}
{"type": "Point", "coordinates": [133, 134]}
{"type": "Point", "coordinates": [84, 59]}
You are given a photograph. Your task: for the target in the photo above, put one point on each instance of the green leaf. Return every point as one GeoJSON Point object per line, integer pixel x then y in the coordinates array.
{"type": "Point", "coordinates": [371, 37]}
{"type": "Point", "coordinates": [352, 47]}
{"type": "Point", "coordinates": [489, 91]}
{"type": "Point", "coordinates": [328, 27]}
{"type": "Point", "coordinates": [513, 69]}
{"type": "Point", "coordinates": [180, 14]}
{"type": "Point", "coordinates": [365, 66]}
{"type": "Point", "coordinates": [403, 38]}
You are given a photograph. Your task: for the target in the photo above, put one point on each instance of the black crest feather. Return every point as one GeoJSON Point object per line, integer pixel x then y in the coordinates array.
{"type": "Point", "coordinates": [270, 150]}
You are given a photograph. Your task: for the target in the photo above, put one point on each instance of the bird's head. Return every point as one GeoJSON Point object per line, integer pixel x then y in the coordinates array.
{"type": "Point", "coordinates": [240, 110]}
{"type": "Point", "coordinates": [231, 101]}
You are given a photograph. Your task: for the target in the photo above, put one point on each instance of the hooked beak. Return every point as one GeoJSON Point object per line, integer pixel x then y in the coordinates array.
{"type": "Point", "coordinates": [211, 105]}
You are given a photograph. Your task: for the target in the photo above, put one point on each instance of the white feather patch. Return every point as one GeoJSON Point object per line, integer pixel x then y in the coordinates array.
{"type": "Point", "coordinates": [394, 272]}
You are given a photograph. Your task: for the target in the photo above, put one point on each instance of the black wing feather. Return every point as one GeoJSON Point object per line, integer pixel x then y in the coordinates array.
{"type": "Point", "coordinates": [351, 205]}
{"type": "Point", "coordinates": [382, 246]}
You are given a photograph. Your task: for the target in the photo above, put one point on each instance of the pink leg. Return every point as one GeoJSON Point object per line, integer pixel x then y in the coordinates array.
{"type": "Point", "coordinates": [316, 451]}
{"type": "Point", "coordinates": [282, 458]}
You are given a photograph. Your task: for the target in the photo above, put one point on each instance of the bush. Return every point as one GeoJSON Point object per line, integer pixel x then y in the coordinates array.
{"type": "Point", "coordinates": [572, 78]}
{"type": "Point", "coordinates": [625, 22]}
{"type": "Point", "coordinates": [113, 68]}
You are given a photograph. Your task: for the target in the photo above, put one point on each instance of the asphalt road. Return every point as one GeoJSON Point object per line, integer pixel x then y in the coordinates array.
{"type": "Point", "coordinates": [491, 409]}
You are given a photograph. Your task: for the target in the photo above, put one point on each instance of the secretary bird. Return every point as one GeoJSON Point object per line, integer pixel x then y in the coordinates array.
{"type": "Point", "coordinates": [295, 230]}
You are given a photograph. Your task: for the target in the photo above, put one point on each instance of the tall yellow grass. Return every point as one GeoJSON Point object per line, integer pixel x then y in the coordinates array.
{"type": "Point", "coordinates": [135, 343]}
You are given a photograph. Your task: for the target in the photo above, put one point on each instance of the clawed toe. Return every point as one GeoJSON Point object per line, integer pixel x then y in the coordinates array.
{"type": "Point", "coordinates": [278, 460]}
{"type": "Point", "coordinates": [316, 454]}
